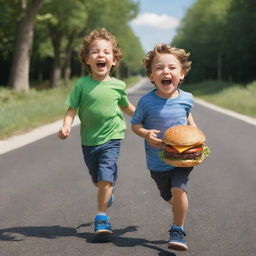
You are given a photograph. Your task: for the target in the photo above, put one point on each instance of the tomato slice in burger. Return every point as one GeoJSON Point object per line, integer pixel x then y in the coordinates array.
{"type": "Point", "coordinates": [169, 148]}
{"type": "Point", "coordinates": [193, 150]}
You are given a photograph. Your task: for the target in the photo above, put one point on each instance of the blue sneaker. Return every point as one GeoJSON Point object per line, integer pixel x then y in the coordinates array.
{"type": "Point", "coordinates": [112, 198]}
{"type": "Point", "coordinates": [177, 241]}
{"type": "Point", "coordinates": [102, 225]}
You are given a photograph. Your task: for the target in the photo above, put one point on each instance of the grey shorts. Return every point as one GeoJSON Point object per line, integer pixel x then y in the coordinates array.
{"type": "Point", "coordinates": [167, 180]}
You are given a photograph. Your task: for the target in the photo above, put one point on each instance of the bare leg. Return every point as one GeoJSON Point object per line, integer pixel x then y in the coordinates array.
{"type": "Point", "coordinates": [179, 206]}
{"type": "Point", "coordinates": [104, 193]}
{"type": "Point", "coordinates": [170, 201]}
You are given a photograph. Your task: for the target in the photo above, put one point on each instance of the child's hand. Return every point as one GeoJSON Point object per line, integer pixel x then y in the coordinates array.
{"type": "Point", "coordinates": [64, 132]}
{"type": "Point", "coordinates": [152, 139]}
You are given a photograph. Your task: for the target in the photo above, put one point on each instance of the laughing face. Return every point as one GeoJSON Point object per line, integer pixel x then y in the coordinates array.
{"type": "Point", "coordinates": [166, 74]}
{"type": "Point", "coordinates": [101, 59]}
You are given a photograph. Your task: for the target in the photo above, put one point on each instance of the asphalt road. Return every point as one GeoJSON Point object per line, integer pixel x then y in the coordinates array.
{"type": "Point", "coordinates": [47, 201]}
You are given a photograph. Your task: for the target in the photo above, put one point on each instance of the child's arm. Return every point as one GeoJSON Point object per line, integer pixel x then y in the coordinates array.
{"type": "Point", "coordinates": [129, 110]}
{"type": "Point", "coordinates": [191, 120]}
{"type": "Point", "coordinates": [67, 122]}
{"type": "Point", "coordinates": [149, 135]}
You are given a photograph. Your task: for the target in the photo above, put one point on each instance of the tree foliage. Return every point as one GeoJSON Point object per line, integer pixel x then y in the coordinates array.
{"type": "Point", "coordinates": [59, 30]}
{"type": "Point", "coordinates": [114, 15]}
{"type": "Point", "coordinates": [8, 20]}
{"type": "Point", "coordinates": [220, 35]}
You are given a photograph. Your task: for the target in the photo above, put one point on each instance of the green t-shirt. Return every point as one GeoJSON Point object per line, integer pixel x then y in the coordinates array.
{"type": "Point", "coordinates": [98, 109]}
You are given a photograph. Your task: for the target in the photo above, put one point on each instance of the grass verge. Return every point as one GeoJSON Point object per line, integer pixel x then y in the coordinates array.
{"type": "Point", "coordinates": [236, 97]}
{"type": "Point", "coordinates": [21, 112]}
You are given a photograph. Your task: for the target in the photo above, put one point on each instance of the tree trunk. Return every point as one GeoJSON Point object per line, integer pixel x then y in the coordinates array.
{"type": "Point", "coordinates": [19, 74]}
{"type": "Point", "coordinates": [128, 72]}
{"type": "Point", "coordinates": [67, 66]}
{"type": "Point", "coordinates": [67, 62]}
{"type": "Point", "coordinates": [219, 67]}
{"type": "Point", "coordinates": [56, 67]}
{"type": "Point", "coordinates": [118, 71]}
{"type": "Point", "coordinates": [56, 72]}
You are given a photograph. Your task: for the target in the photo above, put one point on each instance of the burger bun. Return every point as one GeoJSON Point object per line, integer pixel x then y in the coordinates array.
{"type": "Point", "coordinates": [183, 135]}
{"type": "Point", "coordinates": [186, 136]}
{"type": "Point", "coordinates": [184, 163]}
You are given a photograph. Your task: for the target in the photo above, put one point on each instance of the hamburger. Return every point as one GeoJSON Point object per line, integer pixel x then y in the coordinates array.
{"type": "Point", "coordinates": [184, 146]}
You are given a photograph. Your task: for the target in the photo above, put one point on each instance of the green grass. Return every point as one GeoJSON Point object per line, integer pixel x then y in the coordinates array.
{"type": "Point", "coordinates": [21, 112]}
{"type": "Point", "coordinates": [236, 97]}
{"type": "Point", "coordinates": [132, 81]}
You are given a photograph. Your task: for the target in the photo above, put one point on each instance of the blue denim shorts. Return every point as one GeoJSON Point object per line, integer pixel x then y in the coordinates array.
{"type": "Point", "coordinates": [101, 160]}
{"type": "Point", "coordinates": [167, 180]}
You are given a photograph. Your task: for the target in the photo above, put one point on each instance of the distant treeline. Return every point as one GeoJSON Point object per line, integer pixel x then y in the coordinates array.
{"type": "Point", "coordinates": [42, 38]}
{"type": "Point", "coordinates": [39, 39]}
{"type": "Point", "coordinates": [221, 37]}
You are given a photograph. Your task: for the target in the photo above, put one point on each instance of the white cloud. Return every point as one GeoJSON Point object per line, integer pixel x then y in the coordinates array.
{"type": "Point", "coordinates": [156, 21]}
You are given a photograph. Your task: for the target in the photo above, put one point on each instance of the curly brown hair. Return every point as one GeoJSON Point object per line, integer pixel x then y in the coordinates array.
{"type": "Point", "coordinates": [180, 54]}
{"type": "Point", "coordinates": [95, 35]}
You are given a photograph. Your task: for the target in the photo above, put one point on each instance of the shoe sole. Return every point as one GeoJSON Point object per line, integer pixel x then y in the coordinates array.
{"type": "Point", "coordinates": [177, 246]}
{"type": "Point", "coordinates": [103, 232]}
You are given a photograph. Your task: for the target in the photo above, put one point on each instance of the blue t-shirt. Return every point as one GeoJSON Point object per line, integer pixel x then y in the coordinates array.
{"type": "Point", "coordinates": [154, 112]}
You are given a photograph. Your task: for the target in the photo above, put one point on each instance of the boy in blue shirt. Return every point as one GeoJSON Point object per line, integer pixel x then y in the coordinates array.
{"type": "Point", "coordinates": [158, 110]}
{"type": "Point", "coordinates": [99, 99]}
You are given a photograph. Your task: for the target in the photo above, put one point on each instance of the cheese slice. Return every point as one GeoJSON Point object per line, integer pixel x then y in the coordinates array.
{"type": "Point", "coordinates": [182, 149]}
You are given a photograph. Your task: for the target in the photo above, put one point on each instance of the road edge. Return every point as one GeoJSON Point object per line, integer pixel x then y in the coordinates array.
{"type": "Point", "coordinates": [41, 132]}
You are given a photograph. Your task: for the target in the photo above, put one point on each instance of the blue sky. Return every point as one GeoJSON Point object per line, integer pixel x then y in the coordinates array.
{"type": "Point", "coordinates": [158, 20]}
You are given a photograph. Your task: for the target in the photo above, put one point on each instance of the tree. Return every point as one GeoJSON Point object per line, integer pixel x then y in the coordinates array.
{"type": "Point", "coordinates": [69, 22]}
{"type": "Point", "coordinates": [240, 40]}
{"type": "Point", "coordinates": [115, 15]}
{"type": "Point", "coordinates": [8, 14]}
{"type": "Point", "coordinates": [202, 32]}
{"type": "Point", "coordinates": [58, 35]}
{"type": "Point", "coordinates": [133, 52]}
{"type": "Point", "coordinates": [19, 74]}
{"type": "Point", "coordinates": [65, 24]}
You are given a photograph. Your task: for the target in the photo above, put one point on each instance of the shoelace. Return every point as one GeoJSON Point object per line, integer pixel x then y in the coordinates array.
{"type": "Point", "coordinates": [177, 234]}
{"type": "Point", "coordinates": [103, 223]}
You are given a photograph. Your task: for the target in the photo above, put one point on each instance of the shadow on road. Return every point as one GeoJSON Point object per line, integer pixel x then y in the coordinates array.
{"type": "Point", "coordinates": [120, 241]}
{"type": "Point", "coordinates": [50, 232]}
{"type": "Point", "coordinates": [17, 234]}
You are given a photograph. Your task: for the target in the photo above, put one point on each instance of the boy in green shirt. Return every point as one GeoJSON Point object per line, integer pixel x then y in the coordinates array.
{"type": "Point", "coordinates": [99, 99]}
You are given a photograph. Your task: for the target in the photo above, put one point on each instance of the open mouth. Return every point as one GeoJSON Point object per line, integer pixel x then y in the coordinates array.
{"type": "Point", "coordinates": [101, 64]}
{"type": "Point", "coordinates": [166, 82]}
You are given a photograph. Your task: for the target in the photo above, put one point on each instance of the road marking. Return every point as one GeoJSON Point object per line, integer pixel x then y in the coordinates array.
{"type": "Point", "coordinates": [227, 112]}
{"type": "Point", "coordinates": [49, 129]}
{"type": "Point", "coordinates": [45, 130]}
{"type": "Point", "coordinates": [34, 135]}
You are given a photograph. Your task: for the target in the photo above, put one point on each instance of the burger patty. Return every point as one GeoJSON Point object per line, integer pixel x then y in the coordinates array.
{"type": "Point", "coordinates": [181, 155]}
